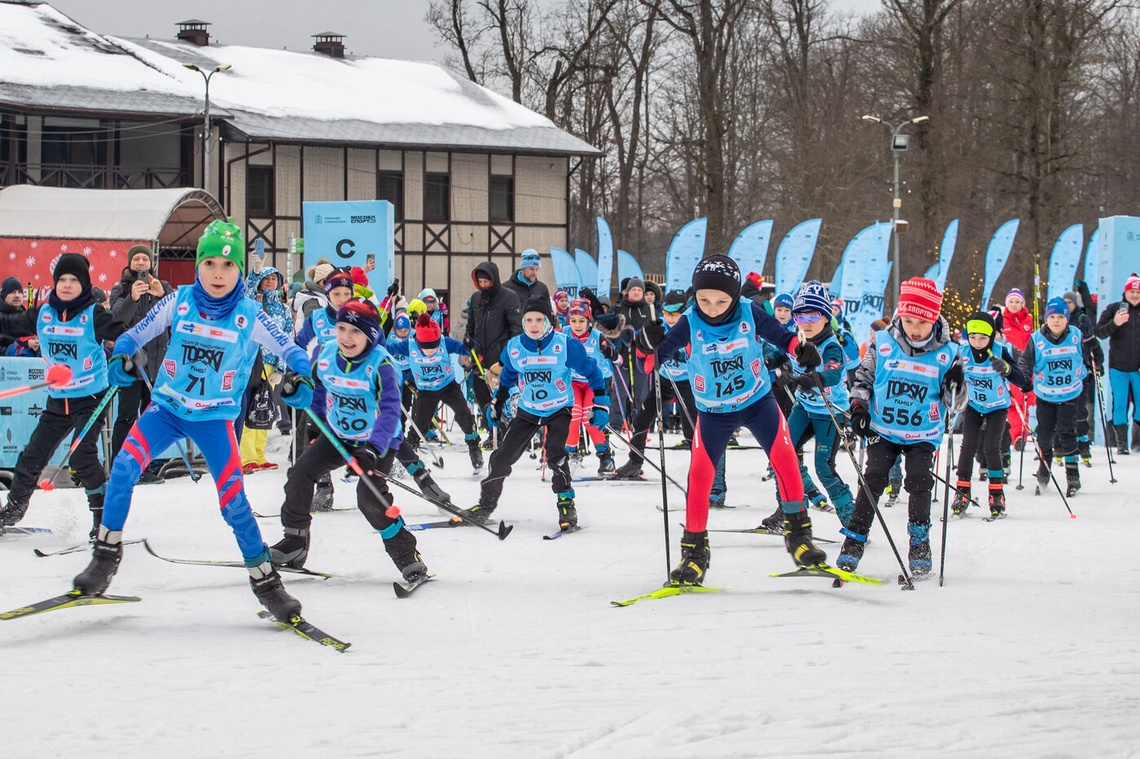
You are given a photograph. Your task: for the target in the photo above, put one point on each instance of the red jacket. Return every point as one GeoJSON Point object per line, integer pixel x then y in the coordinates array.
{"type": "Point", "coordinates": [1016, 328]}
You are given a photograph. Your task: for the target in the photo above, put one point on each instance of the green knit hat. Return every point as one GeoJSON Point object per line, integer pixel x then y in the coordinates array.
{"type": "Point", "coordinates": [222, 238]}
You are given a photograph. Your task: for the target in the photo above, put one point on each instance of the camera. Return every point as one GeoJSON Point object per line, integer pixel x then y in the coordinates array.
{"type": "Point", "coordinates": [142, 276]}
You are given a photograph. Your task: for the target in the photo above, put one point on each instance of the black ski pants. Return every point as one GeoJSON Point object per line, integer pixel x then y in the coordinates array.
{"type": "Point", "coordinates": [62, 417]}
{"type": "Point", "coordinates": [1057, 428]}
{"type": "Point", "coordinates": [918, 459]}
{"type": "Point", "coordinates": [646, 414]}
{"type": "Point", "coordinates": [981, 434]}
{"type": "Point", "coordinates": [451, 395]}
{"type": "Point", "coordinates": [516, 440]}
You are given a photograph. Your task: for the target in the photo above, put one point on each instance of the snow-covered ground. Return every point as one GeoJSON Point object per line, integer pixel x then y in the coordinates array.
{"type": "Point", "coordinates": [1029, 650]}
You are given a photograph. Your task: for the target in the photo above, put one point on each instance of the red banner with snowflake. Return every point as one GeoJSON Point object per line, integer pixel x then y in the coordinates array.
{"type": "Point", "coordinates": [32, 260]}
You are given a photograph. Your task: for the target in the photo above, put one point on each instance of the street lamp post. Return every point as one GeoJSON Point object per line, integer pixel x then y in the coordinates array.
{"type": "Point", "coordinates": [207, 75]}
{"type": "Point", "coordinates": [899, 143]}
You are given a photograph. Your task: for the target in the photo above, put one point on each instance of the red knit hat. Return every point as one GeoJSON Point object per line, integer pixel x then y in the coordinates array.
{"type": "Point", "coordinates": [919, 298]}
{"type": "Point", "coordinates": [358, 276]}
{"type": "Point", "coordinates": [427, 332]}
{"type": "Point", "coordinates": [1133, 283]}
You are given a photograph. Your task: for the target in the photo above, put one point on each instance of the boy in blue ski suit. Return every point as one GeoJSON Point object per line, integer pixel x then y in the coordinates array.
{"type": "Point", "coordinates": [539, 363]}
{"type": "Point", "coordinates": [900, 402]}
{"type": "Point", "coordinates": [215, 335]}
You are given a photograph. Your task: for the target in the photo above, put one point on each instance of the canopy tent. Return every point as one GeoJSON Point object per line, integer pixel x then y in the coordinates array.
{"type": "Point", "coordinates": [37, 224]}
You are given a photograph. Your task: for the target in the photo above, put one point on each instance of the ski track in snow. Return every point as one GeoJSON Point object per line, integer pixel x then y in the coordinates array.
{"type": "Point", "coordinates": [1030, 649]}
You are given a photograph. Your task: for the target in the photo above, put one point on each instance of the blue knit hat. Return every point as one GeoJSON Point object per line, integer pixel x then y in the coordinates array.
{"type": "Point", "coordinates": [403, 322]}
{"type": "Point", "coordinates": [812, 296]}
{"type": "Point", "coordinates": [530, 259]}
{"type": "Point", "coordinates": [783, 300]}
{"type": "Point", "coordinates": [1057, 307]}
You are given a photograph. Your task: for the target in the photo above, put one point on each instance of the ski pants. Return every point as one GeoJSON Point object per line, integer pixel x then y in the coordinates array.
{"type": "Point", "coordinates": [1123, 384]}
{"type": "Point", "coordinates": [61, 417]}
{"type": "Point", "coordinates": [802, 426]}
{"type": "Point", "coordinates": [1057, 428]}
{"type": "Point", "coordinates": [763, 419]}
{"type": "Point", "coordinates": [647, 414]}
{"type": "Point", "coordinates": [156, 430]}
{"type": "Point", "coordinates": [580, 415]}
{"type": "Point", "coordinates": [515, 441]}
{"type": "Point", "coordinates": [984, 433]}
{"type": "Point", "coordinates": [918, 482]}
{"type": "Point", "coordinates": [423, 409]}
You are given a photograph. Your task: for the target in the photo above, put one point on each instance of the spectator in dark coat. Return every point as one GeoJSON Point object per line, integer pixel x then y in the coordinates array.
{"type": "Point", "coordinates": [636, 313]}
{"type": "Point", "coordinates": [1119, 323]}
{"type": "Point", "coordinates": [493, 318]}
{"type": "Point", "coordinates": [525, 283]}
{"type": "Point", "coordinates": [13, 300]}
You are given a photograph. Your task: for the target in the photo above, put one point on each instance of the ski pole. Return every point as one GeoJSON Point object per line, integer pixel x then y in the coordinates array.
{"type": "Point", "coordinates": [1045, 462]}
{"type": "Point", "coordinates": [1103, 422]}
{"type": "Point", "coordinates": [908, 581]}
{"type": "Point", "coordinates": [436, 458]}
{"type": "Point", "coordinates": [57, 375]}
{"type": "Point", "coordinates": [392, 511]}
{"type": "Point", "coordinates": [49, 484]}
{"type": "Point", "coordinates": [194, 475]}
{"type": "Point", "coordinates": [660, 447]}
{"type": "Point", "coordinates": [946, 488]}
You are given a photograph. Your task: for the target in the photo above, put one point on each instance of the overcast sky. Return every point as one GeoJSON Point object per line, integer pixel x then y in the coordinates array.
{"type": "Point", "coordinates": [387, 28]}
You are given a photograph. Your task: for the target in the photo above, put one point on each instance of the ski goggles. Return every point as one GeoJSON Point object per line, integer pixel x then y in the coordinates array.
{"type": "Point", "coordinates": [807, 317]}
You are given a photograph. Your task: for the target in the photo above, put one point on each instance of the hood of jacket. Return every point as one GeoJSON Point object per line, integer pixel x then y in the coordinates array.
{"type": "Point", "coordinates": [490, 270]}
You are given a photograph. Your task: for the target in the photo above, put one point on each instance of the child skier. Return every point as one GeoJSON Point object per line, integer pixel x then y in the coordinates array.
{"type": "Point", "coordinates": [989, 369]}
{"type": "Point", "coordinates": [358, 394]}
{"type": "Point", "coordinates": [1053, 360]}
{"type": "Point", "coordinates": [428, 357]}
{"type": "Point", "coordinates": [602, 352]}
{"type": "Point", "coordinates": [899, 402]}
{"type": "Point", "coordinates": [731, 390]}
{"type": "Point", "coordinates": [71, 330]}
{"type": "Point", "coordinates": [215, 334]}
{"type": "Point", "coordinates": [540, 363]}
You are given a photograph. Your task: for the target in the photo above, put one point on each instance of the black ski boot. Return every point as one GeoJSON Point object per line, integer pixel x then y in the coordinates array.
{"type": "Point", "coordinates": [630, 470]}
{"type": "Point", "coordinates": [12, 512]}
{"type": "Point", "coordinates": [95, 504]}
{"type": "Point", "coordinates": [606, 462]}
{"type": "Point", "coordinates": [1084, 450]}
{"type": "Point", "coordinates": [894, 490]}
{"type": "Point", "coordinates": [429, 488]}
{"type": "Point", "coordinates": [1136, 436]}
{"type": "Point", "coordinates": [106, 553]}
{"type": "Point", "coordinates": [401, 548]}
{"type": "Point", "coordinates": [694, 559]}
{"type": "Point", "coordinates": [774, 522]}
{"type": "Point", "coordinates": [480, 512]}
{"type": "Point", "coordinates": [567, 513]}
{"type": "Point", "coordinates": [797, 538]}
{"type": "Point", "coordinates": [852, 551]}
{"type": "Point", "coordinates": [323, 496]}
{"type": "Point", "coordinates": [997, 504]}
{"type": "Point", "coordinates": [292, 550]}
{"type": "Point", "coordinates": [961, 499]}
{"type": "Point", "coordinates": [1121, 431]}
{"type": "Point", "coordinates": [920, 562]}
{"type": "Point", "coordinates": [1072, 479]}
{"type": "Point", "coordinates": [266, 584]}
{"type": "Point", "coordinates": [476, 453]}
{"type": "Point", "coordinates": [1043, 474]}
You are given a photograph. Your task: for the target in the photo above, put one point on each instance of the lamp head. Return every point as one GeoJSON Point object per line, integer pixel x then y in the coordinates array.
{"type": "Point", "coordinates": [875, 119]}
{"type": "Point", "coordinates": [226, 67]}
{"type": "Point", "coordinates": [191, 66]}
{"type": "Point", "coordinates": [919, 119]}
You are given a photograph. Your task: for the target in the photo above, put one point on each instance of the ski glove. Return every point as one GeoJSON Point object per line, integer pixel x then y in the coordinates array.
{"type": "Point", "coordinates": [650, 336]}
{"type": "Point", "coordinates": [806, 354]}
{"type": "Point", "coordinates": [297, 392]}
{"type": "Point", "coordinates": [394, 288]}
{"type": "Point", "coordinates": [955, 380]}
{"type": "Point", "coordinates": [600, 417]}
{"type": "Point", "coordinates": [367, 457]}
{"type": "Point", "coordinates": [806, 382]}
{"type": "Point", "coordinates": [860, 419]}
{"type": "Point", "coordinates": [121, 370]}
{"type": "Point", "coordinates": [1000, 365]}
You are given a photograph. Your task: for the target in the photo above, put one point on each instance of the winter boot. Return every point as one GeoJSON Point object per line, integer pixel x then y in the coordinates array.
{"type": "Point", "coordinates": [95, 504]}
{"type": "Point", "coordinates": [1084, 450]}
{"type": "Point", "coordinates": [401, 548]}
{"type": "Point", "coordinates": [894, 490]}
{"type": "Point", "coordinates": [1072, 477]}
{"type": "Point", "coordinates": [774, 522]}
{"type": "Point", "coordinates": [481, 512]}
{"type": "Point", "coordinates": [266, 584]}
{"type": "Point", "coordinates": [694, 559]}
{"type": "Point", "coordinates": [323, 497]}
{"type": "Point", "coordinates": [997, 503]}
{"type": "Point", "coordinates": [1136, 436]}
{"type": "Point", "coordinates": [630, 470]}
{"type": "Point", "coordinates": [797, 538]}
{"type": "Point", "coordinates": [106, 553]}
{"type": "Point", "coordinates": [920, 563]}
{"type": "Point", "coordinates": [475, 452]}
{"type": "Point", "coordinates": [961, 498]}
{"type": "Point", "coordinates": [852, 550]}
{"type": "Point", "coordinates": [428, 486]}
{"type": "Point", "coordinates": [717, 499]}
{"type": "Point", "coordinates": [819, 502]}
{"type": "Point", "coordinates": [12, 512]}
{"type": "Point", "coordinates": [1121, 431]}
{"type": "Point", "coordinates": [567, 514]}
{"type": "Point", "coordinates": [292, 550]}
{"type": "Point", "coordinates": [606, 465]}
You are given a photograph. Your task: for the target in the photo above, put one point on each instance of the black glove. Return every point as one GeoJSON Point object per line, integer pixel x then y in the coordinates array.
{"type": "Point", "coordinates": [650, 336]}
{"type": "Point", "coordinates": [367, 457]}
{"type": "Point", "coordinates": [774, 361]}
{"type": "Point", "coordinates": [860, 419]}
{"type": "Point", "coordinates": [1000, 365]}
{"type": "Point", "coordinates": [807, 355]}
{"type": "Point", "coordinates": [955, 379]}
{"type": "Point", "coordinates": [394, 288]}
{"type": "Point", "coordinates": [806, 382]}
{"type": "Point", "coordinates": [586, 293]}
{"type": "Point", "coordinates": [501, 399]}
{"type": "Point", "coordinates": [784, 376]}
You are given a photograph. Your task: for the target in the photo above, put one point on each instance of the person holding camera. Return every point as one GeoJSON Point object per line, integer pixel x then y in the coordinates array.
{"type": "Point", "coordinates": [131, 299]}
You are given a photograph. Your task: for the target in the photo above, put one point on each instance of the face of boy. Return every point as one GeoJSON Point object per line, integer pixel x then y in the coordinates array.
{"type": "Point", "coordinates": [218, 275]}
{"type": "Point", "coordinates": [1056, 323]}
{"type": "Point", "coordinates": [916, 330]}
{"type": "Point", "coordinates": [783, 314]}
{"type": "Point", "coordinates": [67, 287]}
{"type": "Point", "coordinates": [534, 324]}
{"type": "Point", "coordinates": [672, 317]}
{"type": "Point", "coordinates": [579, 324]}
{"type": "Point", "coordinates": [338, 296]}
{"type": "Point", "coordinates": [979, 342]}
{"type": "Point", "coordinates": [713, 303]}
{"type": "Point", "coordinates": [402, 333]}
{"type": "Point", "coordinates": [814, 328]}
{"type": "Point", "coordinates": [350, 340]}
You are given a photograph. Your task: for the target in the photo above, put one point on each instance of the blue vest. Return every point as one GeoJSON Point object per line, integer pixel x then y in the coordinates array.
{"type": "Point", "coordinates": [850, 348]}
{"type": "Point", "coordinates": [207, 363]}
{"type": "Point", "coordinates": [73, 343]}
{"type": "Point", "coordinates": [544, 378]}
{"type": "Point", "coordinates": [988, 390]}
{"type": "Point", "coordinates": [1058, 369]}
{"type": "Point", "coordinates": [352, 394]}
{"type": "Point", "coordinates": [593, 346]}
{"type": "Point", "coordinates": [813, 402]}
{"type": "Point", "coordinates": [726, 365]}
{"type": "Point", "coordinates": [402, 363]}
{"type": "Point", "coordinates": [324, 326]}
{"type": "Point", "coordinates": [906, 404]}
{"type": "Point", "coordinates": [430, 372]}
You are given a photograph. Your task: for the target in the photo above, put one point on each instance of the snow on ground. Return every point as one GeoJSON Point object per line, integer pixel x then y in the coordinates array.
{"type": "Point", "coordinates": [1029, 650]}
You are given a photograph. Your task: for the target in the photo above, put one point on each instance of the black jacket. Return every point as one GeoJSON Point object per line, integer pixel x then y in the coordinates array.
{"type": "Point", "coordinates": [129, 313]}
{"type": "Point", "coordinates": [1123, 340]}
{"type": "Point", "coordinates": [493, 316]}
{"type": "Point", "coordinates": [526, 290]}
{"type": "Point", "coordinates": [6, 310]}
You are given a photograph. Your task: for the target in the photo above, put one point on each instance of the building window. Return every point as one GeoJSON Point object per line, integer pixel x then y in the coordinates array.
{"type": "Point", "coordinates": [390, 187]}
{"type": "Point", "coordinates": [437, 197]}
{"type": "Point", "coordinates": [259, 191]}
{"type": "Point", "coordinates": [72, 146]}
{"type": "Point", "coordinates": [501, 203]}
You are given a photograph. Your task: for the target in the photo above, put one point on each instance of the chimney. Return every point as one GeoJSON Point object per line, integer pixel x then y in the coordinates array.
{"type": "Point", "coordinates": [330, 44]}
{"type": "Point", "coordinates": [194, 32]}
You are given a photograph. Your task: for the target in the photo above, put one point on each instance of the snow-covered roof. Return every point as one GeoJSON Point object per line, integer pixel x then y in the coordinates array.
{"type": "Point", "coordinates": [170, 216]}
{"type": "Point", "coordinates": [49, 61]}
